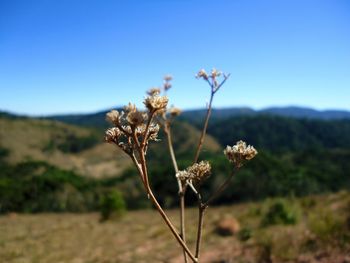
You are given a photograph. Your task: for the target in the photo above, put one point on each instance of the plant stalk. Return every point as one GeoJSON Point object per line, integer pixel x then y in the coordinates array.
{"type": "Point", "coordinates": [204, 130]}
{"type": "Point", "coordinates": [181, 189]}
{"type": "Point", "coordinates": [160, 209]}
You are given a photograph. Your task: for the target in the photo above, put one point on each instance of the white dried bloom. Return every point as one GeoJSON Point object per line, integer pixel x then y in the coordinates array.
{"type": "Point", "coordinates": [130, 107]}
{"type": "Point", "coordinates": [183, 175]}
{"type": "Point", "coordinates": [202, 74]}
{"type": "Point", "coordinates": [113, 117]}
{"type": "Point", "coordinates": [156, 103]}
{"type": "Point", "coordinates": [199, 171]}
{"type": "Point", "coordinates": [240, 152]}
{"type": "Point", "coordinates": [136, 118]}
{"type": "Point", "coordinates": [127, 129]}
{"type": "Point", "coordinates": [112, 135]}
{"type": "Point", "coordinates": [153, 132]}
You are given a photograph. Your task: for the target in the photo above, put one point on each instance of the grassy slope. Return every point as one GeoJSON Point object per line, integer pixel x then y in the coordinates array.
{"type": "Point", "coordinates": [26, 139]}
{"type": "Point", "coordinates": [141, 236]}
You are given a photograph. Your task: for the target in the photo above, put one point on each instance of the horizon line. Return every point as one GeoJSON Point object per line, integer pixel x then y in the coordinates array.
{"type": "Point", "coordinates": [186, 109]}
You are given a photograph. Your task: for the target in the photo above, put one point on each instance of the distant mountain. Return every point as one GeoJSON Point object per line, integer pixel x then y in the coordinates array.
{"type": "Point", "coordinates": [292, 111]}
{"type": "Point", "coordinates": [98, 119]}
{"type": "Point", "coordinates": [308, 113]}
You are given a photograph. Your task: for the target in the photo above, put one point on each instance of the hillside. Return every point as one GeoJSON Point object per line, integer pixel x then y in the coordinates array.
{"type": "Point", "coordinates": [66, 146]}
{"type": "Point", "coordinates": [79, 148]}
{"type": "Point", "coordinates": [280, 134]}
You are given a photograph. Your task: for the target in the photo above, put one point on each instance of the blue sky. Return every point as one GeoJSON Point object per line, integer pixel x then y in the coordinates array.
{"type": "Point", "coordinates": [75, 56]}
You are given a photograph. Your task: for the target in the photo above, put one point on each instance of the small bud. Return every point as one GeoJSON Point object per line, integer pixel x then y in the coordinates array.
{"type": "Point", "coordinates": [202, 74]}
{"type": "Point", "coordinates": [215, 73]}
{"type": "Point", "coordinates": [168, 78]}
{"type": "Point", "coordinates": [153, 91]}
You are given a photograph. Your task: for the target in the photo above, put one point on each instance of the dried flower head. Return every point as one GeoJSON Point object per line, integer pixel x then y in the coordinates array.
{"type": "Point", "coordinates": [130, 107]}
{"type": "Point", "coordinates": [112, 135]}
{"type": "Point", "coordinates": [168, 78]}
{"type": "Point", "coordinates": [113, 117]}
{"type": "Point", "coordinates": [215, 73]}
{"type": "Point", "coordinates": [153, 91]}
{"type": "Point", "coordinates": [156, 103]}
{"type": "Point", "coordinates": [202, 74]}
{"type": "Point", "coordinates": [153, 130]}
{"type": "Point", "coordinates": [240, 152]}
{"type": "Point", "coordinates": [136, 118]}
{"type": "Point", "coordinates": [199, 171]}
{"type": "Point", "coordinates": [167, 84]}
{"type": "Point", "coordinates": [174, 112]}
{"type": "Point", "coordinates": [184, 175]}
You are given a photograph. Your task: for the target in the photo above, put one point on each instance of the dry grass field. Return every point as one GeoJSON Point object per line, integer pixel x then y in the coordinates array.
{"type": "Point", "coordinates": [320, 235]}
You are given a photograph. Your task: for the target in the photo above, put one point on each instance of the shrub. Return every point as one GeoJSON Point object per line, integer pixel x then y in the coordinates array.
{"type": "Point", "coordinates": [245, 234]}
{"type": "Point", "coordinates": [327, 226]}
{"type": "Point", "coordinates": [112, 204]}
{"type": "Point", "coordinates": [281, 212]}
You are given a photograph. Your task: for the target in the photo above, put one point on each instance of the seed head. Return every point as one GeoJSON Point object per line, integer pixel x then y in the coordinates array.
{"type": "Point", "coordinates": [184, 175]}
{"type": "Point", "coordinates": [156, 103]}
{"type": "Point", "coordinates": [153, 132]}
{"type": "Point", "coordinates": [136, 118]}
{"type": "Point", "coordinates": [112, 135]}
{"type": "Point", "coordinates": [130, 107]}
{"type": "Point", "coordinates": [199, 171]}
{"type": "Point", "coordinates": [113, 117]}
{"type": "Point", "coordinates": [240, 152]}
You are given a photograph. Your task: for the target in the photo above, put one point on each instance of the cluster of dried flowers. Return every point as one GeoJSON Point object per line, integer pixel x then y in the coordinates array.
{"type": "Point", "coordinates": [134, 129]}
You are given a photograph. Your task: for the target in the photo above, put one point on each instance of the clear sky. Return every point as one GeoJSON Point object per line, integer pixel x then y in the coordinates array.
{"type": "Point", "coordinates": [75, 56]}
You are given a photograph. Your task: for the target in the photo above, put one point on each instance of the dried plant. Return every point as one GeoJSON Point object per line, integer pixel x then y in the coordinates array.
{"type": "Point", "coordinates": [134, 129]}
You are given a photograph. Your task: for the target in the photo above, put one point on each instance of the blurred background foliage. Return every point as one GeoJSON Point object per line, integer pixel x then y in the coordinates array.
{"type": "Point", "coordinates": [58, 172]}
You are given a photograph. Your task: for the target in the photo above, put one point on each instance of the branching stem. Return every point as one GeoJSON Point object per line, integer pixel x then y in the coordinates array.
{"type": "Point", "coordinates": [181, 189]}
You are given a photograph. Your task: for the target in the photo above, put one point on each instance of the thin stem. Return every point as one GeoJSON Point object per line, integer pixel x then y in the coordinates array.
{"type": "Point", "coordinates": [221, 188]}
{"type": "Point", "coordinates": [133, 158]}
{"type": "Point", "coordinates": [161, 211]}
{"type": "Point", "coordinates": [181, 190]}
{"type": "Point", "coordinates": [150, 118]}
{"type": "Point", "coordinates": [201, 139]}
{"type": "Point", "coordinates": [214, 89]}
{"type": "Point", "coordinates": [182, 221]}
{"type": "Point", "coordinates": [201, 210]}
{"type": "Point", "coordinates": [171, 226]}
{"type": "Point", "coordinates": [170, 145]}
